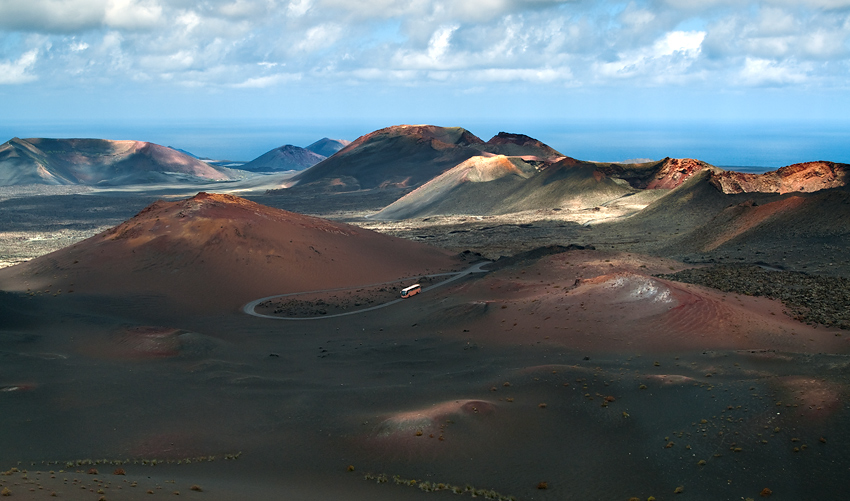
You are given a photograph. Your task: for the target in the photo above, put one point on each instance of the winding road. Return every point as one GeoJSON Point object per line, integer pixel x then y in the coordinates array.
{"type": "Point", "coordinates": [250, 308]}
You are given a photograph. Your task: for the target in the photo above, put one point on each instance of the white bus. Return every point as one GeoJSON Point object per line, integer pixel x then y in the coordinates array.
{"type": "Point", "coordinates": [411, 291]}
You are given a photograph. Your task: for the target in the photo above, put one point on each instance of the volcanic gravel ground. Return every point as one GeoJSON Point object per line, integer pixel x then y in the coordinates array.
{"type": "Point", "coordinates": [343, 301]}
{"type": "Point", "coordinates": [809, 298]}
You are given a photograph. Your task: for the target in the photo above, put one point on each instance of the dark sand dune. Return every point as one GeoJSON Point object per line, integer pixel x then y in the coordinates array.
{"type": "Point", "coordinates": [285, 158]}
{"type": "Point", "coordinates": [220, 251]}
{"type": "Point", "coordinates": [97, 161]}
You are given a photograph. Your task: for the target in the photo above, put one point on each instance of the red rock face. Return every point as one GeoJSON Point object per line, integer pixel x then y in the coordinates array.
{"type": "Point", "coordinates": [805, 177]}
{"type": "Point", "coordinates": [665, 174]}
{"type": "Point", "coordinates": [674, 172]}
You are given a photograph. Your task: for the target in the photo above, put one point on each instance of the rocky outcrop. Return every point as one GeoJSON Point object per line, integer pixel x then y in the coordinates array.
{"type": "Point", "coordinates": [805, 177]}
{"type": "Point", "coordinates": [668, 173]}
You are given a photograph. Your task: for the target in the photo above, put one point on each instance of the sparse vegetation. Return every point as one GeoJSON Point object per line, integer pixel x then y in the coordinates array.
{"type": "Point", "coordinates": [429, 486]}
{"type": "Point", "coordinates": [809, 298]}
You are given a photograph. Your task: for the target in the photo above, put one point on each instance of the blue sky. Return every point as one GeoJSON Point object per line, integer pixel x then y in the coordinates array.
{"type": "Point", "coordinates": [384, 62]}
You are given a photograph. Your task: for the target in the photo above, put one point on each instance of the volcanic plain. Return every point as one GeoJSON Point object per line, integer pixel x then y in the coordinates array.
{"type": "Point", "coordinates": [666, 330]}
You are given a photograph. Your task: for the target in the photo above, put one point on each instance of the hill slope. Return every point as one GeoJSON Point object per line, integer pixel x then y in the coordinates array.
{"type": "Point", "coordinates": [94, 161]}
{"type": "Point", "coordinates": [406, 156]}
{"type": "Point", "coordinates": [401, 156]}
{"type": "Point", "coordinates": [327, 146]}
{"type": "Point", "coordinates": [803, 177]}
{"type": "Point", "coordinates": [285, 158]}
{"type": "Point", "coordinates": [220, 251]}
{"type": "Point", "coordinates": [508, 144]}
{"type": "Point", "coordinates": [486, 186]}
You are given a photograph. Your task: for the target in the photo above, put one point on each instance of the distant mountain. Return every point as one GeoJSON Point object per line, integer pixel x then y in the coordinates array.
{"type": "Point", "coordinates": [482, 186]}
{"type": "Point", "coordinates": [399, 156]}
{"type": "Point", "coordinates": [97, 161]}
{"type": "Point", "coordinates": [185, 152]}
{"type": "Point", "coordinates": [505, 143]}
{"type": "Point", "coordinates": [327, 147]}
{"type": "Point", "coordinates": [406, 156]}
{"type": "Point", "coordinates": [285, 158]}
{"type": "Point", "coordinates": [502, 185]}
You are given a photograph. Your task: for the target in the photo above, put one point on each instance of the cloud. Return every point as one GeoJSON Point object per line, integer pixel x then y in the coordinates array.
{"type": "Point", "coordinates": [319, 38]}
{"type": "Point", "coordinates": [78, 46]}
{"type": "Point", "coordinates": [669, 57]}
{"type": "Point", "coordinates": [267, 81]}
{"type": "Point", "coordinates": [764, 72]}
{"type": "Point", "coordinates": [17, 72]}
{"type": "Point", "coordinates": [132, 14]}
{"type": "Point", "coordinates": [51, 16]}
{"type": "Point", "coordinates": [227, 43]}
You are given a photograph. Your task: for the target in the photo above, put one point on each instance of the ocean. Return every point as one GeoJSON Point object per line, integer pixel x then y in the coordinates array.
{"type": "Point", "coordinates": [754, 146]}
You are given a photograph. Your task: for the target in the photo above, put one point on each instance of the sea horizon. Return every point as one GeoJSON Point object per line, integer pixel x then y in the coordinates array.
{"type": "Point", "coordinates": [755, 146]}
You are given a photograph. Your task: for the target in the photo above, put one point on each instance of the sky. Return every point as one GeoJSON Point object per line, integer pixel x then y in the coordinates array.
{"type": "Point", "coordinates": [355, 66]}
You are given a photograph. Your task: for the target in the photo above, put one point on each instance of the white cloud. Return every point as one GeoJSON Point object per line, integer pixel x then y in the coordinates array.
{"type": "Point", "coordinates": [268, 81]}
{"type": "Point", "coordinates": [17, 72]}
{"type": "Point", "coordinates": [78, 46]}
{"type": "Point", "coordinates": [679, 41]}
{"type": "Point", "coordinates": [190, 20]}
{"type": "Point", "coordinates": [225, 43]}
{"type": "Point", "coordinates": [243, 9]}
{"type": "Point", "coordinates": [440, 41]}
{"type": "Point", "coordinates": [763, 72]}
{"type": "Point", "coordinates": [319, 37]}
{"type": "Point", "coordinates": [132, 14]}
{"type": "Point", "coordinates": [672, 54]}
{"type": "Point", "coordinates": [298, 8]}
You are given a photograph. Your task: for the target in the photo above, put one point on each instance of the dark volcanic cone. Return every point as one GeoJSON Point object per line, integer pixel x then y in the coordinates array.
{"type": "Point", "coordinates": [285, 158]}
{"type": "Point", "coordinates": [220, 251]}
{"type": "Point", "coordinates": [505, 143]}
{"type": "Point", "coordinates": [400, 156]}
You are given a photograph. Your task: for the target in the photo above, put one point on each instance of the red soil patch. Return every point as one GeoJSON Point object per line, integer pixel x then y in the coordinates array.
{"type": "Point", "coordinates": [814, 399]}
{"type": "Point", "coordinates": [744, 217]}
{"type": "Point", "coordinates": [432, 429]}
{"type": "Point", "coordinates": [568, 299]}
